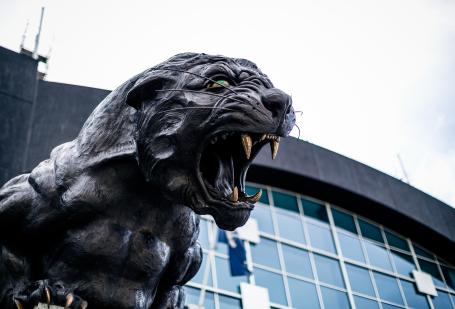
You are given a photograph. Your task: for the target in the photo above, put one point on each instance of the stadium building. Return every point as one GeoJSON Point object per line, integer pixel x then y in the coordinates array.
{"type": "Point", "coordinates": [328, 232]}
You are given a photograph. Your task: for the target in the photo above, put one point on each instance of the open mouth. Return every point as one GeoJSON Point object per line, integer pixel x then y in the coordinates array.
{"type": "Point", "coordinates": [224, 164]}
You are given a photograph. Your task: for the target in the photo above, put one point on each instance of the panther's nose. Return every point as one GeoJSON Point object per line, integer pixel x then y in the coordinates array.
{"type": "Point", "coordinates": [280, 104]}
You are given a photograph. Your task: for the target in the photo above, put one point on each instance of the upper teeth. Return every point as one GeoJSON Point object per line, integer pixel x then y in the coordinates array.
{"type": "Point", "coordinates": [247, 144]}
{"type": "Point", "coordinates": [274, 143]}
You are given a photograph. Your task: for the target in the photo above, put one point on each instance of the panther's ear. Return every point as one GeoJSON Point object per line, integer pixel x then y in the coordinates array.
{"type": "Point", "coordinates": [145, 89]}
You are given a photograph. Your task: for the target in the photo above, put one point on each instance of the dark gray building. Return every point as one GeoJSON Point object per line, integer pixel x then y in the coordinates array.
{"type": "Point", "coordinates": [334, 233]}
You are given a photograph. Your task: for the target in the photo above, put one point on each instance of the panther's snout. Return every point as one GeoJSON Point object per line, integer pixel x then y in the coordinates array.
{"type": "Point", "coordinates": [279, 104]}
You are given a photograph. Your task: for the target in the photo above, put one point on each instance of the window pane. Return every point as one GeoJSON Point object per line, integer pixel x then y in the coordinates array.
{"type": "Point", "coordinates": [266, 253]}
{"type": "Point", "coordinates": [285, 201]}
{"type": "Point", "coordinates": [387, 306]}
{"type": "Point", "coordinates": [388, 288]}
{"type": "Point", "coordinates": [290, 227]}
{"type": "Point", "coordinates": [403, 263]}
{"type": "Point", "coordinates": [365, 303]}
{"type": "Point", "coordinates": [334, 299]}
{"type": "Point", "coordinates": [422, 252]}
{"type": "Point", "coordinates": [396, 241]}
{"type": "Point", "coordinates": [378, 256]}
{"type": "Point", "coordinates": [303, 294]}
{"type": "Point", "coordinates": [199, 278]}
{"type": "Point", "coordinates": [413, 298]}
{"type": "Point", "coordinates": [449, 275]}
{"type": "Point", "coordinates": [227, 302]}
{"type": "Point", "coordinates": [297, 261]}
{"type": "Point", "coordinates": [273, 282]}
{"type": "Point", "coordinates": [264, 217]}
{"type": "Point", "coordinates": [209, 301]}
{"type": "Point", "coordinates": [315, 210]}
{"type": "Point", "coordinates": [203, 236]}
{"type": "Point", "coordinates": [442, 301]}
{"type": "Point", "coordinates": [370, 231]}
{"type": "Point", "coordinates": [351, 247]}
{"type": "Point", "coordinates": [360, 280]}
{"type": "Point", "coordinates": [224, 278]}
{"type": "Point", "coordinates": [344, 221]}
{"type": "Point", "coordinates": [321, 237]}
{"type": "Point", "coordinates": [191, 295]}
{"type": "Point", "coordinates": [251, 190]}
{"type": "Point", "coordinates": [328, 270]}
{"type": "Point", "coordinates": [432, 269]}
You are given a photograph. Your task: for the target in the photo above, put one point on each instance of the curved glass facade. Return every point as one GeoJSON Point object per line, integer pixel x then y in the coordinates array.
{"type": "Point", "coordinates": [316, 255]}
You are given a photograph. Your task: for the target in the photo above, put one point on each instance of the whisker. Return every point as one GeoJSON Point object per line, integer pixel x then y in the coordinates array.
{"type": "Point", "coordinates": [195, 107]}
{"type": "Point", "coordinates": [295, 124]}
{"type": "Point", "coordinates": [300, 112]}
{"type": "Point", "coordinates": [198, 75]}
{"type": "Point", "coordinates": [203, 92]}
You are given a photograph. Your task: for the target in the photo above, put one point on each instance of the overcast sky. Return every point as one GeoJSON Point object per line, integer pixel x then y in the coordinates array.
{"type": "Point", "coordinates": [373, 78]}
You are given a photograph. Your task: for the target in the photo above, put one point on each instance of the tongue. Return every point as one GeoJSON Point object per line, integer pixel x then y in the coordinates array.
{"type": "Point", "coordinates": [224, 181]}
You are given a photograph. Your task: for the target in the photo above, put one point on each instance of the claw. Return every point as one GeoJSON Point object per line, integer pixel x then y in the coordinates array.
{"type": "Point", "coordinates": [69, 300]}
{"type": "Point", "coordinates": [18, 304]}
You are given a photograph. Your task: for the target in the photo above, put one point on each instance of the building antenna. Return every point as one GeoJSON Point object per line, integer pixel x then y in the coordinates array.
{"type": "Point", "coordinates": [37, 37]}
{"type": "Point", "coordinates": [24, 35]}
{"type": "Point", "coordinates": [403, 169]}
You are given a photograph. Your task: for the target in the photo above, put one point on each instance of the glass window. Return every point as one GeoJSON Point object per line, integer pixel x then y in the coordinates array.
{"type": "Point", "coordinates": [224, 279]}
{"type": "Point", "coordinates": [449, 275]}
{"type": "Point", "coordinates": [314, 210]}
{"type": "Point", "coordinates": [273, 282]}
{"type": "Point", "coordinates": [442, 301]}
{"type": "Point", "coordinates": [360, 280]}
{"type": "Point", "coordinates": [328, 270]}
{"type": "Point", "coordinates": [264, 217]}
{"type": "Point", "coordinates": [404, 263]}
{"type": "Point", "coordinates": [297, 261]}
{"type": "Point", "coordinates": [266, 253]}
{"type": "Point", "coordinates": [199, 278]}
{"type": "Point", "coordinates": [413, 298]}
{"type": "Point", "coordinates": [227, 302]}
{"type": "Point", "coordinates": [303, 294]}
{"type": "Point", "coordinates": [252, 190]}
{"type": "Point", "coordinates": [422, 252]}
{"type": "Point", "coordinates": [321, 237]}
{"type": "Point", "coordinates": [203, 235]}
{"type": "Point", "coordinates": [378, 256]}
{"type": "Point", "coordinates": [432, 269]}
{"type": "Point", "coordinates": [285, 201]}
{"type": "Point", "coordinates": [370, 231]}
{"type": "Point", "coordinates": [351, 247]}
{"type": "Point", "coordinates": [344, 221]}
{"type": "Point", "coordinates": [209, 300]}
{"type": "Point", "coordinates": [388, 288]}
{"type": "Point", "coordinates": [387, 306]}
{"type": "Point", "coordinates": [290, 226]}
{"type": "Point", "coordinates": [396, 241]}
{"type": "Point", "coordinates": [191, 295]}
{"type": "Point", "coordinates": [334, 299]}
{"type": "Point", "coordinates": [365, 303]}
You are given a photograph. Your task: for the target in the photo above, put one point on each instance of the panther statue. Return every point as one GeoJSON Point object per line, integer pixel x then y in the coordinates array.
{"type": "Point", "coordinates": [110, 220]}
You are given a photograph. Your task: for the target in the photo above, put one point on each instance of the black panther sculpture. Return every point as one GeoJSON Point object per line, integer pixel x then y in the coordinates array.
{"type": "Point", "coordinates": [111, 219]}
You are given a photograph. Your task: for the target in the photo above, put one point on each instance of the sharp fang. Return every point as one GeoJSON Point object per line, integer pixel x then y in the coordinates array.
{"type": "Point", "coordinates": [235, 195]}
{"type": "Point", "coordinates": [247, 144]}
{"type": "Point", "coordinates": [253, 199]}
{"type": "Point", "coordinates": [274, 144]}
{"type": "Point", "coordinates": [263, 137]}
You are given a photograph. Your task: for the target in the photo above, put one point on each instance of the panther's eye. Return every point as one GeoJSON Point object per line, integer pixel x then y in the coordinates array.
{"type": "Point", "coordinates": [220, 83]}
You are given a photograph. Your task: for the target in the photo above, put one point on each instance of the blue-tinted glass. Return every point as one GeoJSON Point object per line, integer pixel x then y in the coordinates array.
{"type": "Point", "coordinates": [224, 278]}
{"type": "Point", "coordinates": [370, 231]}
{"type": "Point", "coordinates": [203, 236]}
{"type": "Point", "coordinates": [297, 261]}
{"type": "Point", "coordinates": [413, 298]}
{"type": "Point", "coordinates": [403, 263]}
{"type": "Point", "coordinates": [203, 271]}
{"type": "Point", "coordinates": [252, 190]}
{"type": "Point", "coordinates": [221, 247]}
{"type": "Point", "coordinates": [388, 288]}
{"type": "Point", "coordinates": [303, 294]}
{"type": "Point", "coordinates": [191, 295]}
{"type": "Point", "coordinates": [285, 201]}
{"type": "Point", "coordinates": [351, 247]}
{"type": "Point", "coordinates": [328, 270]}
{"type": "Point", "coordinates": [273, 282]}
{"type": "Point", "coordinates": [227, 302]}
{"type": "Point", "coordinates": [360, 280]}
{"type": "Point", "coordinates": [449, 275]}
{"type": "Point", "coordinates": [334, 299]}
{"type": "Point", "coordinates": [321, 237]}
{"type": "Point", "coordinates": [343, 220]}
{"type": "Point", "coordinates": [396, 241]}
{"type": "Point", "coordinates": [209, 302]}
{"type": "Point", "coordinates": [378, 256]}
{"type": "Point", "coordinates": [422, 252]}
{"type": "Point", "coordinates": [264, 217]}
{"type": "Point", "coordinates": [387, 306]}
{"type": "Point", "coordinates": [290, 226]}
{"type": "Point", "coordinates": [365, 303]}
{"type": "Point", "coordinates": [314, 210]}
{"type": "Point", "coordinates": [432, 269]}
{"type": "Point", "coordinates": [442, 301]}
{"type": "Point", "coordinates": [266, 253]}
